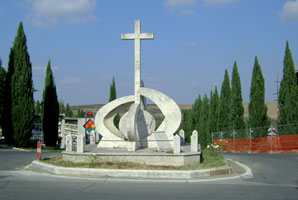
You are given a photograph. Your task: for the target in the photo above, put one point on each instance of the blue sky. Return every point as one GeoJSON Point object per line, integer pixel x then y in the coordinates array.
{"type": "Point", "coordinates": [195, 41]}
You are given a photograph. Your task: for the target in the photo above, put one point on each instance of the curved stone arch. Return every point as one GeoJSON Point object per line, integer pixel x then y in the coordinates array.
{"type": "Point", "coordinates": [104, 117]}
{"type": "Point", "coordinates": [168, 107]}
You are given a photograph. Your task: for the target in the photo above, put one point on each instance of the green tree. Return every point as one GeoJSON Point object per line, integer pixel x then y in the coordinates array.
{"type": "Point", "coordinates": [187, 124]}
{"type": "Point", "coordinates": [37, 107]}
{"type": "Point", "coordinates": [257, 108]}
{"type": "Point", "coordinates": [80, 113]}
{"type": "Point", "coordinates": [112, 90]}
{"type": "Point", "coordinates": [237, 112]}
{"type": "Point", "coordinates": [50, 109]}
{"type": "Point", "coordinates": [2, 90]}
{"type": "Point", "coordinates": [20, 89]}
{"type": "Point", "coordinates": [196, 112]}
{"type": "Point", "coordinates": [113, 96]}
{"type": "Point", "coordinates": [61, 107]}
{"type": "Point", "coordinates": [204, 133]}
{"type": "Point", "coordinates": [214, 111]}
{"type": "Point", "coordinates": [224, 123]}
{"type": "Point", "coordinates": [7, 128]}
{"type": "Point", "coordinates": [288, 95]}
{"type": "Point", "coordinates": [68, 112]}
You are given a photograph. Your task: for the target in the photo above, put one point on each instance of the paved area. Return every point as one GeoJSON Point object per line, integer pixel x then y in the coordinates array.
{"type": "Point", "coordinates": [275, 177]}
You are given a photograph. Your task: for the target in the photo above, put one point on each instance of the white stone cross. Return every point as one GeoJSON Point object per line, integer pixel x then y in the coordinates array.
{"type": "Point", "coordinates": [137, 36]}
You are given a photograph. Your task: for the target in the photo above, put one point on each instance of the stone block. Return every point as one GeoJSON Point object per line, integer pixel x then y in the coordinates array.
{"type": "Point", "coordinates": [92, 137]}
{"type": "Point", "coordinates": [69, 142]}
{"type": "Point", "coordinates": [194, 146]}
{"type": "Point", "coordinates": [177, 144]}
{"type": "Point", "coordinates": [182, 135]}
{"type": "Point", "coordinates": [162, 140]}
{"type": "Point", "coordinates": [81, 143]}
{"type": "Point", "coordinates": [133, 146]}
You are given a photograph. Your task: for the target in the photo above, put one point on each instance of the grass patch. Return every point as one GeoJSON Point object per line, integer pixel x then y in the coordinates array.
{"type": "Point", "coordinates": [210, 160]}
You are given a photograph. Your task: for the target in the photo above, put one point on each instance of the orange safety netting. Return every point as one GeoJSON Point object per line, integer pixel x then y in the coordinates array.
{"type": "Point", "coordinates": [269, 144]}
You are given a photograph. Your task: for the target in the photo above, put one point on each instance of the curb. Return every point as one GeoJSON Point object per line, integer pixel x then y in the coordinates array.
{"type": "Point", "coordinates": [124, 173]}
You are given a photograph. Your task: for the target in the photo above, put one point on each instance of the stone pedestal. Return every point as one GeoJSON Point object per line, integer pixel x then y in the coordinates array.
{"type": "Point", "coordinates": [177, 144]}
{"type": "Point", "coordinates": [194, 146]}
{"type": "Point", "coordinates": [92, 137]}
{"type": "Point", "coordinates": [182, 135]}
{"type": "Point", "coordinates": [133, 146]}
{"type": "Point", "coordinates": [63, 139]}
{"type": "Point", "coordinates": [69, 142]}
{"type": "Point", "coordinates": [81, 143]}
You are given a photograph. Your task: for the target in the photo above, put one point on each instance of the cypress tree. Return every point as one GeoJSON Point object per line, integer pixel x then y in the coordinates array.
{"type": "Point", "coordinates": [288, 95]}
{"type": "Point", "coordinates": [2, 90]}
{"type": "Point", "coordinates": [7, 128]}
{"type": "Point", "coordinates": [237, 114]}
{"type": "Point", "coordinates": [113, 96]}
{"type": "Point", "coordinates": [37, 107]}
{"type": "Point", "coordinates": [224, 123]}
{"type": "Point", "coordinates": [68, 112]}
{"type": "Point", "coordinates": [112, 90]}
{"type": "Point", "coordinates": [257, 108]}
{"type": "Point", "coordinates": [61, 107]}
{"type": "Point", "coordinates": [21, 90]}
{"type": "Point", "coordinates": [186, 124]}
{"type": "Point", "coordinates": [204, 133]}
{"type": "Point", "coordinates": [214, 111]}
{"type": "Point", "coordinates": [50, 109]}
{"type": "Point", "coordinates": [195, 114]}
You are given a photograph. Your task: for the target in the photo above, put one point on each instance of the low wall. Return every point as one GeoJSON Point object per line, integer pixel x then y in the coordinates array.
{"type": "Point", "coordinates": [269, 144]}
{"type": "Point", "coordinates": [158, 159]}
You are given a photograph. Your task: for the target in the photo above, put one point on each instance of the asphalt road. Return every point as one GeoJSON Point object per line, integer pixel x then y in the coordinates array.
{"type": "Point", "coordinates": [275, 177]}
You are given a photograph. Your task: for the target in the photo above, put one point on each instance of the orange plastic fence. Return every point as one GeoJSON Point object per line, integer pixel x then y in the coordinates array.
{"type": "Point", "coordinates": [270, 144]}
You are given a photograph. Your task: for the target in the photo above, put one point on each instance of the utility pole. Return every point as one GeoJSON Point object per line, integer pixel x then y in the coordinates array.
{"type": "Point", "coordinates": [277, 94]}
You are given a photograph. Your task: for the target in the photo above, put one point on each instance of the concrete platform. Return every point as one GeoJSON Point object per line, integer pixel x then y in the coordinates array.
{"type": "Point", "coordinates": [147, 156]}
{"type": "Point", "coordinates": [134, 174]}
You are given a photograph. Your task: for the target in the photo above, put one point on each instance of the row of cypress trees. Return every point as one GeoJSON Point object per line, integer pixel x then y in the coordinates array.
{"type": "Point", "coordinates": [16, 98]}
{"type": "Point", "coordinates": [226, 112]}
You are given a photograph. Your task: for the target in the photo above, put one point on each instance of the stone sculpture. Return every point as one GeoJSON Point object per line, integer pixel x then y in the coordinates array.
{"type": "Point", "coordinates": [137, 127]}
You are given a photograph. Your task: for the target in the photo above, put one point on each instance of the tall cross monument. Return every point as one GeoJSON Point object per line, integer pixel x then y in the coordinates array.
{"type": "Point", "coordinates": [137, 36]}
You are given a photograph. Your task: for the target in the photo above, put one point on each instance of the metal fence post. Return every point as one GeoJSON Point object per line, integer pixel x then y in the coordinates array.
{"type": "Point", "coordinates": [250, 133]}
{"type": "Point", "coordinates": [234, 133]}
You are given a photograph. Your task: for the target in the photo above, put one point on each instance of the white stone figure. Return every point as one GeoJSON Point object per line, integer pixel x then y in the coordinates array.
{"type": "Point", "coordinates": [177, 144]}
{"type": "Point", "coordinates": [182, 135]}
{"type": "Point", "coordinates": [81, 143]}
{"type": "Point", "coordinates": [92, 137]}
{"type": "Point", "coordinates": [137, 126]}
{"type": "Point", "coordinates": [69, 142]}
{"type": "Point", "coordinates": [194, 146]}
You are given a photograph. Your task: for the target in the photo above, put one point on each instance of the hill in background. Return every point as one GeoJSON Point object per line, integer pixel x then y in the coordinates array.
{"type": "Point", "coordinates": [154, 110]}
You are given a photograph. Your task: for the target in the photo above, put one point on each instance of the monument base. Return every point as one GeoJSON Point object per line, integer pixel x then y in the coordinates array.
{"type": "Point", "coordinates": [148, 156]}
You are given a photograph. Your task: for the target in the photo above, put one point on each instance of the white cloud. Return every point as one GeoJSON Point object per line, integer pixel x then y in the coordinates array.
{"type": "Point", "coordinates": [187, 12]}
{"type": "Point", "coordinates": [191, 44]}
{"type": "Point", "coordinates": [178, 3]}
{"type": "Point", "coordinates": [43, 69]}
{"type": "Point", "coordinates": [50, 12]}
{"type": "Point", "coordinates": [73, 80]}
{"type": "Point", "coordinates": [104, 78]}
{"type": "Point", "coordinates": [290, 10]}
{"type": "Point", "coordinates": [196, 83]}
{"type": "Point", "coordinates": [219, 2]}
